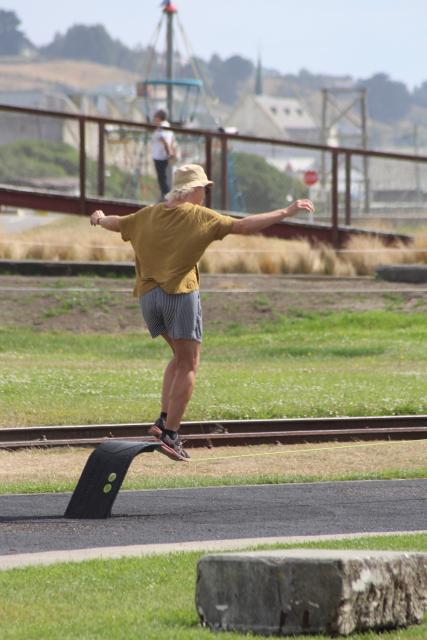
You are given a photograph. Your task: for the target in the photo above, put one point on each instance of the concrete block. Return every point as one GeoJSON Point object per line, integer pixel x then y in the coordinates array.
{"type": "Point", "coordinates": [311, 591]}
{"type": "Point", "coordinates": [412, 273]}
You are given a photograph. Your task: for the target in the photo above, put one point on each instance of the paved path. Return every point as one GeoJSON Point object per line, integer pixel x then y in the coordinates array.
{"type": "Point", "coordinates": [15, 223]}
{"type": "Point", "coordinates": [34, 523]}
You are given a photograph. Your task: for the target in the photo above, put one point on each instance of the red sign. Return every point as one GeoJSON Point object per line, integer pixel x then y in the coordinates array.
{"type": "Point", "coordinates": [310, 178]}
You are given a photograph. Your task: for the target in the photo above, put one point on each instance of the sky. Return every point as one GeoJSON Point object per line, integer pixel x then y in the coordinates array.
{"type": "Point", "coordinates": [338, 37]}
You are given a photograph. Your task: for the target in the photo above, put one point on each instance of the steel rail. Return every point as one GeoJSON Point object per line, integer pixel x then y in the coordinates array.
{"type": "Point", "coordinates": [227, 432]}
{"type": "Point", "coordinates": [66, 290]}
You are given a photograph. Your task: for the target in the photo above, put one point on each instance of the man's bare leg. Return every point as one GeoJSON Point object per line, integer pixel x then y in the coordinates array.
{"type": "Point", "coordinates": [179, 380]}
{"type": "Point", "coordinates": [168, 376]}
{"type": "Point", "coordinates": [178, 384]}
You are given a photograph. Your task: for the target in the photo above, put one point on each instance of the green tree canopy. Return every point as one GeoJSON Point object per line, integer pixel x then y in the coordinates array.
{"type": "Point", "coordinates": [388, 100]}
{"type": "Point", "coordinates": [261, 186]}
{"type": "Point", "coordinates": [92, 43]}
{"type": "Point", "coordinates": [227, 76]}
{"type": "Point", "coordinates": [12, 40]}
{"type": "Point", "coordinates": [420, 95]}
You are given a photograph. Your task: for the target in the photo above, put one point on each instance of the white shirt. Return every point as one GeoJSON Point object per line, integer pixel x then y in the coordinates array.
{"type": "Point", "coordinates": [157, 142]}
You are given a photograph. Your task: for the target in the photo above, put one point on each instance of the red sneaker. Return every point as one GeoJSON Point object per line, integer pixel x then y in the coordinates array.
{"type": "Point", "coordinates": [158, 428]}
{"type": "Point", "coordinates": [172, 447]}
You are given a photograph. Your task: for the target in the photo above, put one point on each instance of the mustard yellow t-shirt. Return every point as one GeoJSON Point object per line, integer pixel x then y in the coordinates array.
{"type": "Point", "coordinates": [168, 243]}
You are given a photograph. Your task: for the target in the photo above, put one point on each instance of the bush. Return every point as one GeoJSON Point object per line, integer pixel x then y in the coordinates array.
{"type": "Point", "coordinates": [261, 187]}
{"type": "Point", "coordinates": [25, 160]}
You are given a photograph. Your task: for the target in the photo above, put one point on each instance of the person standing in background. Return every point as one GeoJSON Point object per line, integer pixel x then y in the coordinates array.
{"type": "Point", "coordinates": [162, 149]}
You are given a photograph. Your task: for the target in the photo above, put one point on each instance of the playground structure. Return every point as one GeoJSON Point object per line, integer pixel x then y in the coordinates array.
{"type": "Point", "coordinates": [161, 89]}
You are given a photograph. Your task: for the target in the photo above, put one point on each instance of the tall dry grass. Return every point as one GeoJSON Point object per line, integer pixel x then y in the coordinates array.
{"type": "Point", "coordinates": [72, 238]}
{"type": "Point", "coordinates": [420, 246]}
{"type": "Point", "coordinates": [365, 253]}
{"type": "Point", "coordinates": [258, 254]}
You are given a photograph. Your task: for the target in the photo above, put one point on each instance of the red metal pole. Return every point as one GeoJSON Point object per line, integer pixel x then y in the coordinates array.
{"type": "Point", "coordinates": [334, 194]}
{"type": "Point", "coordinates": [82, 164]}
{"type": "Point", "coordinates": [224, 174]}
{"type": "Point", "coordinates": [101, 159]}
{"type": "Point", "coordinates": [208, 155]}
{"type": "Point", "coordinates": [348, 189]}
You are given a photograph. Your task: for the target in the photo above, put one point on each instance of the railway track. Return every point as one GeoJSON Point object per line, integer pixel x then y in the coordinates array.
{"type": "Point", "coordinates": [227, 432]}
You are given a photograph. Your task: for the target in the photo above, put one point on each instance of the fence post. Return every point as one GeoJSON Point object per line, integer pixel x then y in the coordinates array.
{"type": "Point", "coordinates": [208, 155]}
{"type": "Point", "coordinates": [334, 187]}
{"type": "Point", "coordinates": [82, 165]}
{"type": "Point", "coordinates": [101, 159]}
{"type": "Point", "coordinates": [224, 173]}
{"type": "Point", "coordinates": [348, 189]}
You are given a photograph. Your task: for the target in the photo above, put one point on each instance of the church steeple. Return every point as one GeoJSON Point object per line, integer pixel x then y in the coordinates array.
{"type": "Point", "coordinates": [258, 78]}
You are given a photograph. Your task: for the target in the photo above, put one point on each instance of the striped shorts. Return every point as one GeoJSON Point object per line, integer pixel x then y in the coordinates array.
{"type": "Point", "coordinates": [179, 315]}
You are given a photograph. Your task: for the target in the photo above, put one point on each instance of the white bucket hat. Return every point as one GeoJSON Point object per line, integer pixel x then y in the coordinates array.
{"type": "Point", "coordinates": [190, 175]}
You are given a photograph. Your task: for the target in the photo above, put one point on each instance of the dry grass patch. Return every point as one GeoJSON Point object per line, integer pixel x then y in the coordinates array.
{"type": "Point", "coordinates": [367, 253]}
{"type": "Point", "coordinates": [259, 254]}
{"type": "Point", "coordinates": [71, 238]}
{"type": "Point", "coordinates": [320, 461]}
{"type": "Point", "coordinates": [420, 245]}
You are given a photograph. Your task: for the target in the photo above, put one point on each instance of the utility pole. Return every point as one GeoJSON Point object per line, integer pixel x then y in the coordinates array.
{"type": "Point", "coordinates": [417, 166]}
{"type": "Point", "coordinates": [334, 112]}
{"type": "Point", "coordinates": [365, 146]}
{"type": "Point", "coordinates": [170, 10]}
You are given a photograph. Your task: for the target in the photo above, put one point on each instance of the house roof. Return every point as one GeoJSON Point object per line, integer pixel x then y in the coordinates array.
{"type": "Point", "coordinates": [286, 113]}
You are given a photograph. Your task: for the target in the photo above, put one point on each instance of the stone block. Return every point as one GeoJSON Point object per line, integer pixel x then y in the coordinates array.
{"type": "Point", "coordinates": [412, 273]}
{"type": "Point", "coordinates": [311, 591]}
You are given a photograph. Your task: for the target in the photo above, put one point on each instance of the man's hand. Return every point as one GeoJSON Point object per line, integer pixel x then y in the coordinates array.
{"type": "Point", "coordinates": [300, 205]}
{"type": "Point", "coordinates": [110, 223]}
{"type": "Point", "coordinates": [96, 217]}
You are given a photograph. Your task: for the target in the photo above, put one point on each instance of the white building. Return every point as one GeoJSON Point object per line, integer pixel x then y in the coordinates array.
{"type": "Point", "coordinates": [279, 118]}
{"type": "Point", "coordinates": [273, 117]}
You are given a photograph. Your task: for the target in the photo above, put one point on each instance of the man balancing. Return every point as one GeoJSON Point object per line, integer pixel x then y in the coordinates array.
{"type": "Point", "coordinates": [169, 239]}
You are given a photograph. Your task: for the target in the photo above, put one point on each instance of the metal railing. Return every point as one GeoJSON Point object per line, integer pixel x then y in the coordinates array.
{"type": "Point", "coordinates": [211, 139]}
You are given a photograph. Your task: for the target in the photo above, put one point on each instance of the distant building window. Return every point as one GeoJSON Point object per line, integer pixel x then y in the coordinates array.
{"type": "Point", "coordinates": [299, 112]}
{"type": "Point", "coordinates": [287, 111]}
{"type": "Point", "coordinates": [273, 110]}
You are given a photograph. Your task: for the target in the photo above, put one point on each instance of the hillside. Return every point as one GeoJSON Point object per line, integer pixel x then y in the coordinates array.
{"type": "Point", "coordinates": [47, 74]}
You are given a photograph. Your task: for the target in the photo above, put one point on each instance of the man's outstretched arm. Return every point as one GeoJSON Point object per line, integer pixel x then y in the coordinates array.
{"type": "Point", "coordinates": [112, 223]}
{"type": "Point", "coordinates": [260, 221]}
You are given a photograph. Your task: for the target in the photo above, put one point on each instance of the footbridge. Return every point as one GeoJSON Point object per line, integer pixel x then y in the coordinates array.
{"type": "Point", "coordinates": [108, 149]}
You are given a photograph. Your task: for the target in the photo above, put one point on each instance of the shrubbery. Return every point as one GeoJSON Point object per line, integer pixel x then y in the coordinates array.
{"type": "Point", "coordinates": [23, 161]}
{"type": "Point", "coordinates": [258, 186]}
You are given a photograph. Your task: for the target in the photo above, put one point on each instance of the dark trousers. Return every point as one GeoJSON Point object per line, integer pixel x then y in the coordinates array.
{"type": "Point", "coordinates": [162, 176]}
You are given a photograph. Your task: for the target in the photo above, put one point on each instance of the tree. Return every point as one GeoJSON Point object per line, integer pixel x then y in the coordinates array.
{"type": "Point", "coordinates": [262, 186]}
{"type": "Point", "coordinates": [92, 43]}
{"type": "Point", "coordinates": [420, 95]}
{"type": "Point", "coordinates": [228, 75]}
{"type": "Point", "coordinates": [388, 100]}
{"type": "Point", "coordinates": [12, 40]}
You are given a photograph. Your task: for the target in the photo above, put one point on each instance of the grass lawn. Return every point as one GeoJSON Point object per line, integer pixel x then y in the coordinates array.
{"type": "Point", "coordinates": [150, 598]}
{"type": "Point", "coordinates": [304, 364]}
